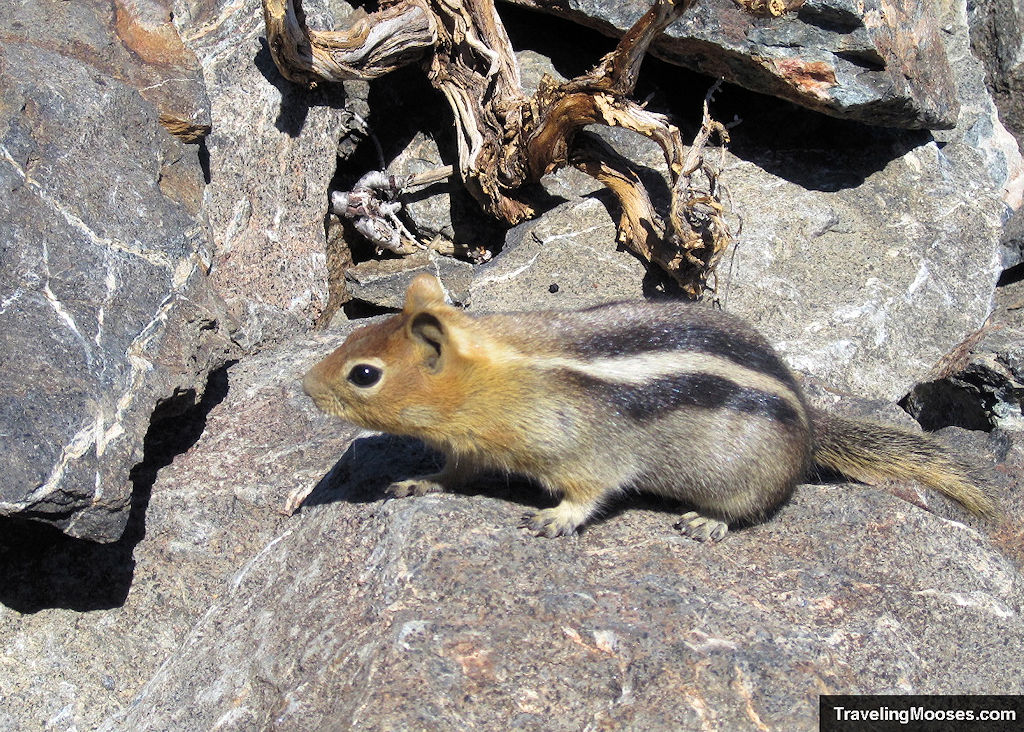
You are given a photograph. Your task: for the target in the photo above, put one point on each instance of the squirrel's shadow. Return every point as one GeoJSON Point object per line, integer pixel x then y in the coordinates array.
{"type": "Point", "coordinates": [371, 464]}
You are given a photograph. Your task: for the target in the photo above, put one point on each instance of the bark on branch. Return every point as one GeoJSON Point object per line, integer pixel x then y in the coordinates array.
{"type": "Point", "coordinates": [507, 140]}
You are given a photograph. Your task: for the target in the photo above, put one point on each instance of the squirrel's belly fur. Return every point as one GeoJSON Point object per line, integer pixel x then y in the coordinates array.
{"type": "Point", "coordinates": [666, 398]}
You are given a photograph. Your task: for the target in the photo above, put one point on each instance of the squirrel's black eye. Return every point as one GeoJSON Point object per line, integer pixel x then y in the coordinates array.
{"type": "Point", "coordinates": [364, 374]}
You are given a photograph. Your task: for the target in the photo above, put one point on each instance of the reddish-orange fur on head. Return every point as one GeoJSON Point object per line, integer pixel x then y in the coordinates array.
{"type": "Point", "coordinates": [431, 362]}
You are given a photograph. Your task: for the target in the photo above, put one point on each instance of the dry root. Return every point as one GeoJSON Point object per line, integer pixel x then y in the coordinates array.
{"type": "Point", "coordinates": [507, 140]}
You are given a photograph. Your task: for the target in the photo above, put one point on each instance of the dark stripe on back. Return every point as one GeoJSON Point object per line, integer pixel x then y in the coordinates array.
{"type": "Point", "coordinates": [658, 397]}
{"type": "Point", "coordinates": [631, 339]}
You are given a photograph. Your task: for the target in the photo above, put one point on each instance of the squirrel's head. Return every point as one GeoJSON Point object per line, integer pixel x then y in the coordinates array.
{"type": "Point", "coordinates": [402, 375]}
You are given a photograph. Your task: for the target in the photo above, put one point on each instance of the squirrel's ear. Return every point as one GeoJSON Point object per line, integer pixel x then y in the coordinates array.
{"type": "Point", "coordinates": [430, 335]}
{"type": "Point", "coordinates": [424, 292]}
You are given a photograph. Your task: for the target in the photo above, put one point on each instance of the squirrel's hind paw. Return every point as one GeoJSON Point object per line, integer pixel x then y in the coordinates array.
{"type": "Point", "coordinates": [414, 487]}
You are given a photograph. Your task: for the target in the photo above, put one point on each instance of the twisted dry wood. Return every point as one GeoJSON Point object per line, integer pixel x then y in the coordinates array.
{"type": "Point", "coordinates": [507, 140]}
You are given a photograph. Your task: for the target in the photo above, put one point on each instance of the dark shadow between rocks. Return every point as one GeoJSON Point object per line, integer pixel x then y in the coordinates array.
{"type": "Point", "coordinates": [1012, 275]}
{"type": "Point", "coordinates": [204, 161]}
{"type": "Point", "coordinates": [296, 99]}
{"type": "Point", "coordinates": [549, 36]}
{"type": "Point", "coordinates": [808, 148]}
{"type": "Point", "coordinates": [402, 105]}
{"type": "Point", "coordinates": [42, 568]}
{"type": "Point", "coordinates": [811, 149]}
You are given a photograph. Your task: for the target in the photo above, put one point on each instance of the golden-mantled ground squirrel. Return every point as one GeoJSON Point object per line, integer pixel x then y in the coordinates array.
{"type": "Point", "coordinates": [667, 398]}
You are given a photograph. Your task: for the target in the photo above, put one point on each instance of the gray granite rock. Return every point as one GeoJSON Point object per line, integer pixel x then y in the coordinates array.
{"type": "Point", "coordinates": [565, 259]}
{"type": "Point", "coordinates": [133, 42]}
{"type": "Point", "coordinates": [867, 287]}
{"type": "Point", "coordinates": [981, 385]}
{"type": "Point", "coordinates": [361, 612]}
{"type": "Point", "coordinates": [383, 282]}
{"type": "Point", "coordinates": [872, 62]}
{"type": "Point", "coordinates": [104, 305]}
{"type": "Point", "coordinates": [606, 629]}
{"type": "Point", "coordinates": [865, 284]}
{"type": "Point", "coordinates": [272, 154]}
{"type": "Point", "coordinates": [998, 40]}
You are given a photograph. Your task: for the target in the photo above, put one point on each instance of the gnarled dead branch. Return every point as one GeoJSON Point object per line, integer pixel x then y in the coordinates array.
{"type": "Point", "coordinates": [507, 140]}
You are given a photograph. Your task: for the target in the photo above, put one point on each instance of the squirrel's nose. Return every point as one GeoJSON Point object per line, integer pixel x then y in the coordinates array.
{"type": "Point", "coordinates": [311, 383]}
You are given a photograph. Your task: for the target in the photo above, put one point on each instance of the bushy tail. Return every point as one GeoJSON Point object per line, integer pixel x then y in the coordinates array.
{"type": "Point", "coordinates": [870, 452]}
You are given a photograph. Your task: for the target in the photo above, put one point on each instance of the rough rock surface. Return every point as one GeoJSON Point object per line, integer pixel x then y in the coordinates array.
{"type": "Point", "coordinates": [104, 306]}
{"type": "Point", "coordinates": [981, 385]}
{"type": "Point", "coordinates": [839, 57]}
{"type": "Point", "coordinates": [439, 613]}
{"type": "Point", "coordinates": [384, 282]}
{"type": "Point", "coordinates": [133, 42]}
{"type": "Point", "coordinates": [997, 36]}
{"type": "Point", "coordinates": [216, 609]}
{"type": "Point", "coordinates": [271, 157]}
{"type": "Point", "coordinates": [540, 265]}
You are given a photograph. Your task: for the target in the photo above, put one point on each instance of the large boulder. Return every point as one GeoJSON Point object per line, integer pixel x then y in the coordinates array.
{"type": "Point", "coordinates": [272, 154]}
{"type": "Point", "coordinates": [875, 62]}
{"type": "Point", "coordinates": [104, 308]}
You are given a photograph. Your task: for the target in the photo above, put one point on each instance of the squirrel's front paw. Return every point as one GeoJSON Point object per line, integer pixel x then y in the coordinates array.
{"type": "Point", "coordinates": [550, 522]}
{"type": "Point", "coordinates": [414, 487]}
{"type": "Point", "coordinates": [702, 528]}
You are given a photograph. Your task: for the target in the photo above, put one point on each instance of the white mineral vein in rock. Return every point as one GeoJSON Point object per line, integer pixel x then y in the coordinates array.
{"type": "Point", "coordinates": [575, 234]}
{"type": "Point", "coordinates": [237, 581]}
{"type": "Point", "coordinates": [508, 275]}
{"type": "Point", "coordinates": [110, 280]}
{"type": "Point", "coordinates": [240, 214]}
{"type": "Point", "coordinates": [976, 599]}
{"type": "Point", "coordinates": [158, 259]}
{"type": "Point", "coordinates": [919, 280]}
{"type": "Point", "coordinates": [8, 301]}
{"type": "Point", "coordinates": [12, 162]}
{"type": "Point", "coordinates": [84, 439]}
{"type": "Point", "coordinates": [59, 308]}
{"type": "Point", "coordinates": [153, 257]}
